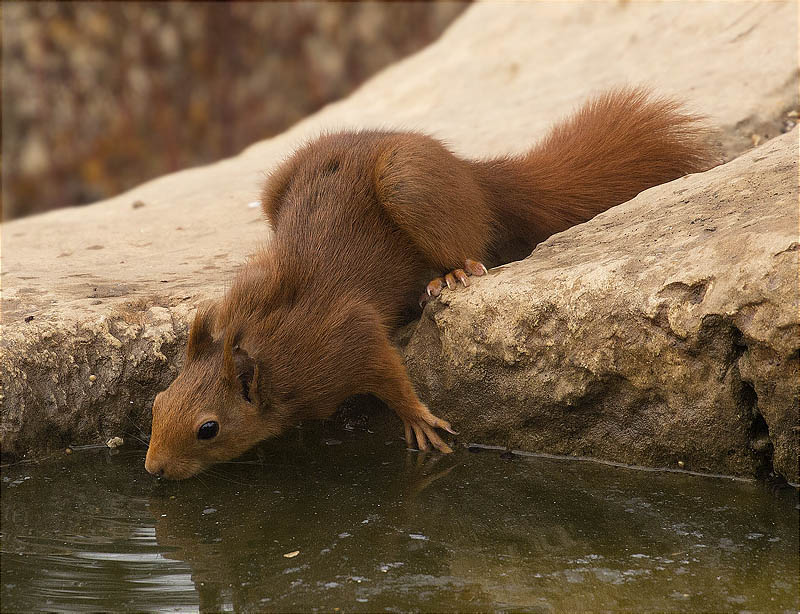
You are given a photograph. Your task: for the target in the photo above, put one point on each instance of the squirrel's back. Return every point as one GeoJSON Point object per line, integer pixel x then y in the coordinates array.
{"type": "Point", "coordinates": [377, 211]}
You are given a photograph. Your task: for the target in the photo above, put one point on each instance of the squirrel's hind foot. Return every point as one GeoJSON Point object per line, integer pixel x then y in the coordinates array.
{"type": "Point", "coordinates": [451, 280]}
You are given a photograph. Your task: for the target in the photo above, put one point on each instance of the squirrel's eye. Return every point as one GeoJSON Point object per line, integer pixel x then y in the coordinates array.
{"type": "Point", "coordinates": [208, 430]}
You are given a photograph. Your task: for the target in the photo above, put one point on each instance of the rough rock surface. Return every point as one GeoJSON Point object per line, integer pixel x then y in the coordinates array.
{"type": "Point", "coordinates": [666, 329]}
{"type": "Point", "coordinates": [110, 288]}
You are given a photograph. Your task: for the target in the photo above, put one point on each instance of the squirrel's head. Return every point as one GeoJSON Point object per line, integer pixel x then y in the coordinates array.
{"type": "Point", "coordinates": [214, 411]}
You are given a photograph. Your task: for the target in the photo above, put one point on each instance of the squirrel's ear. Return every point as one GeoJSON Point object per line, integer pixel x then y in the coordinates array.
{"type": "Point", "coordinates": [246, 374]}
{"type": "Point", "coordinates": [201, 331]}
{"type": "Point", "coordinates": [241, 369]}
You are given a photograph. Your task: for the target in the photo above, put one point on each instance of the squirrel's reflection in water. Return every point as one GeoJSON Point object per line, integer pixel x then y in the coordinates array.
{"type": "Point", "coordinates": [346, 501]}
{"type": "Point", "coordinates": [423, 469]}
{"type": "Point", "coordinates": [369, 525]}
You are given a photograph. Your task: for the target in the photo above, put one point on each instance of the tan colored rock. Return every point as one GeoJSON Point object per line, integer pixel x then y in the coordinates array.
{"type": "Point", "coordinates": [665, 330]}
{"type": "Point", "coordinates": [110, 288]}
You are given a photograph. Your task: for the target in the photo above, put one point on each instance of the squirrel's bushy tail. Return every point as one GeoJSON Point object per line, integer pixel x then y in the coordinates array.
{"type": "Point", "coordinates": [612, 148]}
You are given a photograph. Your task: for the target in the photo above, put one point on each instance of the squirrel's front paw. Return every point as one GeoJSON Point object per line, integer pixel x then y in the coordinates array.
{"type": "Point", "coordinates": [422, 428]}
{"type": "Point", "coordinates": [451, 279]}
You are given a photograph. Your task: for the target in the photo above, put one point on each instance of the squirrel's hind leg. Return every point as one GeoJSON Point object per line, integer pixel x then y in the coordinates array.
{"type": "Point", "coordinates": [433, 197]}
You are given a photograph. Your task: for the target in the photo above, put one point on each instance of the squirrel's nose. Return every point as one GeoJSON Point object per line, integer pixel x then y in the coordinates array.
{"type": "Point", "coordinates": [154, 468]}
{"type": "Point", "coordinates": [156, 471]}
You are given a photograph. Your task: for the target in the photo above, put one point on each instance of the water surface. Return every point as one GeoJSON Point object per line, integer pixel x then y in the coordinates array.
{"type": "Point", "coordinates": [377, 527]}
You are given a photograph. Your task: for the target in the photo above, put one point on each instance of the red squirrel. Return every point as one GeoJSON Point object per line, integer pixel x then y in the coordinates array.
{"type": "Point", "coordinates": [362, 220]}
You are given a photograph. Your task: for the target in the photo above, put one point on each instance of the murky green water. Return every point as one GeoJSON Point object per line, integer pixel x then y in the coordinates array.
{"type": "Point", "coordinates": [380, 528]}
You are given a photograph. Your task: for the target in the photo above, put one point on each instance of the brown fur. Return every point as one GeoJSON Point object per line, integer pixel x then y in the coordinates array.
{"type": "Point", "coordinates": [362, 220]}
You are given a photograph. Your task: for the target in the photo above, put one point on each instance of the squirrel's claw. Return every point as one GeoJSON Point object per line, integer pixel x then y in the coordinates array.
{"type": "Point", "coordinates": [420, 430]}
{"type": "Point", "coordinates": [436, 285]}
{"type": "Point", "coordinates": [473, 267]}
{"type": "Point", "coordinates": [461, 276]}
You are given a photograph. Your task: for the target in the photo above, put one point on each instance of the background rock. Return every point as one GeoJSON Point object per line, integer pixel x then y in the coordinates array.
{"type": "Point", "coordinates": [114, 284]}
{"type": "Point", "coordinates": [96, 97]}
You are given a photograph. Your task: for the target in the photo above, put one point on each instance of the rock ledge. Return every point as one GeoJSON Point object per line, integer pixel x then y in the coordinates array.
{"type": "Point", "coordinates": [665, 330]}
